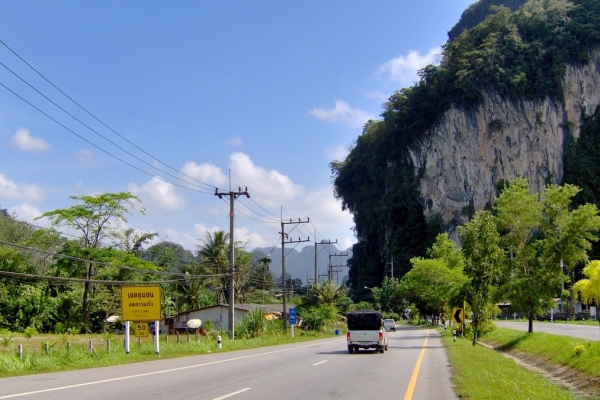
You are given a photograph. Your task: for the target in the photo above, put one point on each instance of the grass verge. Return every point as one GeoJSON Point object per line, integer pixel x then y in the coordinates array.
{"type": "Point", "coordinates": [78, 356]}
{"type": "Point", "coordinates": [481, 373]}
{"type": "Point", "coordinates": [580, 354]}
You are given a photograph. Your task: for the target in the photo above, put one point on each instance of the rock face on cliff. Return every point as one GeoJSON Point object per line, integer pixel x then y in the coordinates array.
{"type": "Point", "coordinates": [460, 161]}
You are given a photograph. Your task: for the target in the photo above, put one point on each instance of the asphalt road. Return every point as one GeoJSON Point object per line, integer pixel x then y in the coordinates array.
{"type": "Point", "coordinates": [588, 332]}
{"type": "Point", "coordinates": [414, 367]}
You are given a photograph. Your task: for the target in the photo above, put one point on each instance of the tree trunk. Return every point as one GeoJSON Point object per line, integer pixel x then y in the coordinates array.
{"type": "Point", "coordinates": [530, 330]}
{"type": "Point", "coordinates": [85, 310]}
{"type": "Point", "coordinates": [475, 326]}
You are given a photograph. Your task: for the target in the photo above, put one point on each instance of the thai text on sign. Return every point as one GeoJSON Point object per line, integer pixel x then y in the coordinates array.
{"type": "Point", "coordinates": [140, 303]}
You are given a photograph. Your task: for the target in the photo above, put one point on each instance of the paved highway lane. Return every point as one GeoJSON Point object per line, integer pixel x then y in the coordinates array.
{"type": "Point", "coordinates": [318, 369]}
{"type": "Point", "coordinates": [588, 332]}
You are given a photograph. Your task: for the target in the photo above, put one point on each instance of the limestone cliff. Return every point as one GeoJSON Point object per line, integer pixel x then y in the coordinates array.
{"type": "Point", "coordinates": [467, 152]}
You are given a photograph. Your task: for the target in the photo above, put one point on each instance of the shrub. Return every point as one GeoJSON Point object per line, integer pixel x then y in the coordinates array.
{"type": "Point", "coordinates": [578, 349]}
{"type": "Point", "coordinates": [29, 332]}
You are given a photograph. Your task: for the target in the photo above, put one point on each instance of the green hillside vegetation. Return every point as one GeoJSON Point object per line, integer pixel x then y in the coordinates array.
{"type": "Point", "coordinates": [521, 55]}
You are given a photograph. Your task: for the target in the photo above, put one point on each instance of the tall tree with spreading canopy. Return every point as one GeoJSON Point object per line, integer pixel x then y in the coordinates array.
{"type": "Point", "coordinates": [97, 218]}
{"type": "Point", "coordinates": [527, 283]}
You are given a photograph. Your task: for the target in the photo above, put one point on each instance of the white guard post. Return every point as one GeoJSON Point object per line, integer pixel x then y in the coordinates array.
{"type": "Point", "coordinates": [219, 342]}
{"type": "Point", "coordinates": [293, 325]}
{"type": "Point", "coordinates": [454, 335]}
{"type": "Point", "coordinates": [156, 337]}
{"type": "Point", "coordinates": [126, 337]}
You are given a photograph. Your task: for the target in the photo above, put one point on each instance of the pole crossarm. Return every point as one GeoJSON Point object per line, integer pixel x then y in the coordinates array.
{"type": "Point", "coordinates": [317, 243]}
{"type": "Point", "coordinates": [283, 243]}
{"type": "Point", "coordinates": [330, 266]}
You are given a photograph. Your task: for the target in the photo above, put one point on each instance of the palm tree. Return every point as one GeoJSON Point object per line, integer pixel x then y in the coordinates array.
{"type": "Point", "coordinates": [327, 293]}
{"type": "Point", "coordinates": [215, 258]}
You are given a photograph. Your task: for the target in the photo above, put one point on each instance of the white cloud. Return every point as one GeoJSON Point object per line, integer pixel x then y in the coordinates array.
{"type": "Point", "coordinates": [337, 153]}
{"type": "Point", "coordinates": [378, 95]}
{"type": "Point", "coordinates": [235, 141]}
{"type": "Point", "coordinates": [205, 172]}
{"type": "Point", "coordinates": [183, 238]}
{"type": "Point", "coordinates": [86, 157]}
{"type": "Point", "coordinates": [158, 194]}
{"type": "Point", "coordinates": [11, 191]}
{"type": "Point", "coordinates": [403, 69]}
{"type": "Point", "coordinates": [28, 212]}
{"type": "Point", "coordinates": [343, 113]}
{"type": "Point", "coordinates": [24, 141]}
{"type": "Point", "coordinates": [272, 184]}
{"type": "Point", "coordinates": [201, 230]}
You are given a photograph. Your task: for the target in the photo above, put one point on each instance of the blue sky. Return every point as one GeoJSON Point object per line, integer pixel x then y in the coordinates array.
{"type": "Point", "coordinates": [272, 91]}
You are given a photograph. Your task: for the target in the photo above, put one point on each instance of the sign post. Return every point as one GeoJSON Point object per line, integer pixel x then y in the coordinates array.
{"type": "Point", "coordinates": [142, 305]}
{"type": "Point", "coordinates": [292, 319]}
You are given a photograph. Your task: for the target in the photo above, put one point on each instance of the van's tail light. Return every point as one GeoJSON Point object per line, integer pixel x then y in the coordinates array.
{"type": "Point", "coordinates": [380, 335]}
{"type": "Point", "coordinates": [347, 335]}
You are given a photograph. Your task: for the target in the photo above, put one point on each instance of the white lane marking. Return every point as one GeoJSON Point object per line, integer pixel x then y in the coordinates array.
{"type": "Point", "coordinates": [150, 373]}
{"type": "Point", "coordinates": [320, 362]}
{"type": "Point", "coordinates": [232, 394]}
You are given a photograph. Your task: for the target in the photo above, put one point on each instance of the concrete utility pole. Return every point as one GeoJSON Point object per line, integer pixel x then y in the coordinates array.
{"type": "Point", "coordinates": [283, 242]}
{"type": "Point", "coordinates": [330, 270]}
{"type": "Point", "coordinates": [322, 242]}
{"type": "Point", "coordinates": [392, 264]}
{"type": "Point", "coordinates": [232, 196]}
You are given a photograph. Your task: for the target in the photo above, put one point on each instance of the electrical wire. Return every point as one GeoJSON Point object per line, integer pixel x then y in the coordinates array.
{"type": "Point", "coordinates": [99, 148]}
{"type": "Point", "coordinates": [99, 134]}
{"type": "Point", "coordinates": [93, 116]}
{"type": "Point", "coordinates": [60, 278]}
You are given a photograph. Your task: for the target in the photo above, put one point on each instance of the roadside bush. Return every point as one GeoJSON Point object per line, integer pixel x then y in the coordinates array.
{"type": "Point", "coordinates": [318, 318]}
{"type": "Point", "coordinates": [393, 316]}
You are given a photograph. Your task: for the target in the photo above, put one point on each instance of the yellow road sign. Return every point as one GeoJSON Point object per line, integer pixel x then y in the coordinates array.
{"type": "Point", "coordinates": [141, 329]}
{"type": "Point", "coordinates": [140, 303]}
{"type": "Point", "coordinates": [458, 314]}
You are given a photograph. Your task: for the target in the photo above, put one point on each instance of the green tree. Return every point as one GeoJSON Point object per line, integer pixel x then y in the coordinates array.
{"type": "Point", "coordinates": [588, 290]}
{"type": "Point", "coordinates": [327, 293]}
{"type": "Point", "coordinates": [483, 262]}
{"type": "Point", "coordinates": [97, 218]}
{"type": "Point", "coordinates": [430, 285]}
{"type": "Point", "coordinates": [214, 253]}
{"type": "Point", "coordinates": [527, 283]}
{"type": "Point", "coordinates": [567, 233]}
{"type": "Point", "coordinates": [385, 297]}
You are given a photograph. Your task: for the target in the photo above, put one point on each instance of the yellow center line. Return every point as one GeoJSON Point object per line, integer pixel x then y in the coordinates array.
{"type": "Point", "coordinates": [413, 379]}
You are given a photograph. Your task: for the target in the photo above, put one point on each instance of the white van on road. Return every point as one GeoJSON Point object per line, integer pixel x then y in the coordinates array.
{"type": "Point", "coordinates": [366, 331]}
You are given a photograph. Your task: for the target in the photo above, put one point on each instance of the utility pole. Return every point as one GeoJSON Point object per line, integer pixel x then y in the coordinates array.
{"type": "Point", "coordinates": [392, 264]}
{"type": "Point", "coordinates": [334, 255]}
{"type": "Point", "coordinates": [232, 196]}
{"type": "Point", "coordinates": [321, 242]}
{"type": "Point", "coordinates": [283, 242]}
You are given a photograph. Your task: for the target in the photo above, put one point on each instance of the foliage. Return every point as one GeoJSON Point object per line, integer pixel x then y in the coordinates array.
{"type": "Point", "coordinates": [520, 54]}
{"type": "Point", "coordinates": [582, 165]}
{"type": "Point", "coordinates": [588, 290]}
{"type": "Point", "coordinates": [430, 284]}
{"type": "Point", "coordinates": [97, 218]}
{"type": "Point", "coordinates": [318, 318]}
{"type": "Point", "coordinates": [483, 262]}
{"type": "Point", "coordinates": [385, 296]}
{"type": "Point", "coordinates": [327, 294]}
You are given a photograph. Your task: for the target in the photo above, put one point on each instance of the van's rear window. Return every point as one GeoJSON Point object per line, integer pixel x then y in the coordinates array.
{"type": "Point", "coordinates": [369, 321]}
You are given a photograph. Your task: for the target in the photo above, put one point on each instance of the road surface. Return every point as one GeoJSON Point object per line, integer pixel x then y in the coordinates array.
{"type": "Point", "coordinates": [588, 332]}
{"type": "Point", "coordinates": [415, 367]}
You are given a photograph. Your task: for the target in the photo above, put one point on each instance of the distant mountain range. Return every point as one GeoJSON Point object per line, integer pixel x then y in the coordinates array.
{"type": "Point", "coordinates": [301, 264]}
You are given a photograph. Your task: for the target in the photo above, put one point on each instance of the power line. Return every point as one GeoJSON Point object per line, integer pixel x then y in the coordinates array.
{"type": "Point", "coordinates": [60, 278]}
{"type": "Point", "coordinates": [99, 134]}
{"type": "Point", "coordinates": [101, 149]}
{"type": "Point", "coordinates": [92, 115]}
